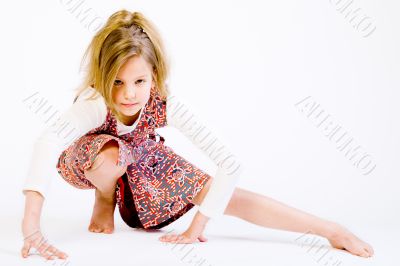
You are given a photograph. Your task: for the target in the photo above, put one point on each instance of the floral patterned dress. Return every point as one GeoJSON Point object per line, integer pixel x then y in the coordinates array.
{"type": "Point", "coordinates": [158, 186]}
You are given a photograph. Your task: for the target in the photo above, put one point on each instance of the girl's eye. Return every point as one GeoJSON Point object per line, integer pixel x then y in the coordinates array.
{"type": "Point", "coordinates": [117, 82]}
{"type": "Point", "coordinates": [140, 81]}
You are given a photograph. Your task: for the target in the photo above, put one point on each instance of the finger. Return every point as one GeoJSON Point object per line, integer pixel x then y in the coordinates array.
{"type": "Point", "coordinates": [43, 247]}
{"type": "Point", "coordinates": [166, 235]}
{"type": "Point", "coordinates": [44, 251]}
{"type": "Point", "coordinates": [163, 237]}
{"type": "Point", "coordinates": [180, 239]}
{"type": "Point", "coordinates": [25, 249]}
{"type": "Point", "coordinates": [55, 252]}
{"type": "Point", "coordinates": [169, 237]}
{"type": "Point", "coordinates": [187, 240]}
{"type": "Point", "coordinates": [60, 254]}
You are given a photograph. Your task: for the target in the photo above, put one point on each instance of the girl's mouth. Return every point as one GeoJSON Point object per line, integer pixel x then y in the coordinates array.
{"type": "Point", "coordinates": [129, 105]}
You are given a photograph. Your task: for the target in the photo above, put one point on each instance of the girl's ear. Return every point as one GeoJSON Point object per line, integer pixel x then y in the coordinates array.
{"type": "Point", "coordinates": [153, 74]}
{"type": "Point", "coordinates": [153, 81]}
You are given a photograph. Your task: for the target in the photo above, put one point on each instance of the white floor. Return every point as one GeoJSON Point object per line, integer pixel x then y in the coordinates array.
{"type": "Point", "coordinates": [230, 242]}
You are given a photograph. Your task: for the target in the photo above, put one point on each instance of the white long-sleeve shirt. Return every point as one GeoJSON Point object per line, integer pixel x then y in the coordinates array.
{"type": "Point", "coordinates": [85, 115]}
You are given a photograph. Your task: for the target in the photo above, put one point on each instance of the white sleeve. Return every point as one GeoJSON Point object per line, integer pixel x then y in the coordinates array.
{"type": "Point", "coordinates": [76, 121]}
{"type": "Point", "coordinates": [229, 167]}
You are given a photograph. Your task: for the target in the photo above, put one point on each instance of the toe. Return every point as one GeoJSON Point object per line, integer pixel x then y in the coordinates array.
{"type": "Point", "coordinates": [108, 231]}
{"type": "Point", "coordinates": [370, 250]}
{"type": "Point", "coordinates": [362, 252]}
{"type": "Point", "coordinates": [202, 238]}
{"type": "Point", "coordinates": [95, 229]}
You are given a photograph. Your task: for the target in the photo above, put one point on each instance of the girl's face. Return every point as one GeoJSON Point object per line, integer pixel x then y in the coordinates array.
{"type": "Point", "coordinates": [131, 89]}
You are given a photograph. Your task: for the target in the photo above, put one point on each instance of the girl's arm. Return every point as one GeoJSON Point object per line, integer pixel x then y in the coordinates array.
{"type": "Point", "coordinates": [228, 172]}
{"type": "Point", "coordinates": [81, 117]}
{"type": "Point", "coordinates": [31, 228]}
{"type": "Point", "coordinates": [229, 167]}
{"type": "Point", "coordinates": [33, 208]}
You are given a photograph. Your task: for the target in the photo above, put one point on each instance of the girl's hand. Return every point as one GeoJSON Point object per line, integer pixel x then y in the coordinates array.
{"type": "Point", "coordinates": [186, 237]}
{"type": "Point", "coordinates": [34, 238]}
{"type": "Point", "coordinates": [194, 232]}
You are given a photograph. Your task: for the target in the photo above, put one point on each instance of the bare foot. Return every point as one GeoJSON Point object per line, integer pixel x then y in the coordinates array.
{"type": "Point", "coordinates": [103, 214]}
{"type": "Point", "coordinates": [341, 238]}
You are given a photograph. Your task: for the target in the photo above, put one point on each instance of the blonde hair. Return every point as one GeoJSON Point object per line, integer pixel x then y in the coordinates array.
{"type": "Point", "coordinates": [125, 34]}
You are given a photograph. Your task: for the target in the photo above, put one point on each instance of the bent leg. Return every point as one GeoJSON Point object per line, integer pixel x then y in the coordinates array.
{"type": "Point", "coordinates": [103, 174]}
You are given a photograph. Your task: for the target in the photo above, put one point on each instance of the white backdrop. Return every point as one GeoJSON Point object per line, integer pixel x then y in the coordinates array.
{"type": "Point", "coordinates": [253, 71]}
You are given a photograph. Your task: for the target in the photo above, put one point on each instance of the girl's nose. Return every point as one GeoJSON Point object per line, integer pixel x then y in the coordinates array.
{"type": "Point", "coordinates": [130, 92]}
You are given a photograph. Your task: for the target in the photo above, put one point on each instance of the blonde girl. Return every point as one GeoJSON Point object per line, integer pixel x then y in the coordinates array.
{"type": "Point", "coordinates": [112, 146]}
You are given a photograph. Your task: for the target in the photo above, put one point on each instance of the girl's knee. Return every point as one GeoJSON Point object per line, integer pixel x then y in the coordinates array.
{"type": "Point", "coordinates": [105, 162]}
{"type": "Point", "coordinates": [110, 149]}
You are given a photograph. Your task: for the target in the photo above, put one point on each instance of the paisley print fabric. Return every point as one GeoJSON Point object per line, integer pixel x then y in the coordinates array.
{"type": "Point", "coordinates": [158, 186]}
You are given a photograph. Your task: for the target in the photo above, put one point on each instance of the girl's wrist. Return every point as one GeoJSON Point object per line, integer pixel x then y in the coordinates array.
{"type": "Point", "coordinates": [31, 233]}
{"type": "Point", "coordinates": [30, 229]}
{"type": "Point", "coordinates": [31, 218]}
{"type": "Point", "coordinates": [31, 223]}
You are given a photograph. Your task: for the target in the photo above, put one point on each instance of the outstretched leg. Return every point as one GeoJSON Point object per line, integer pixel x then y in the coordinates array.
{"type": "Point", "coordinates": [267, 212]}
